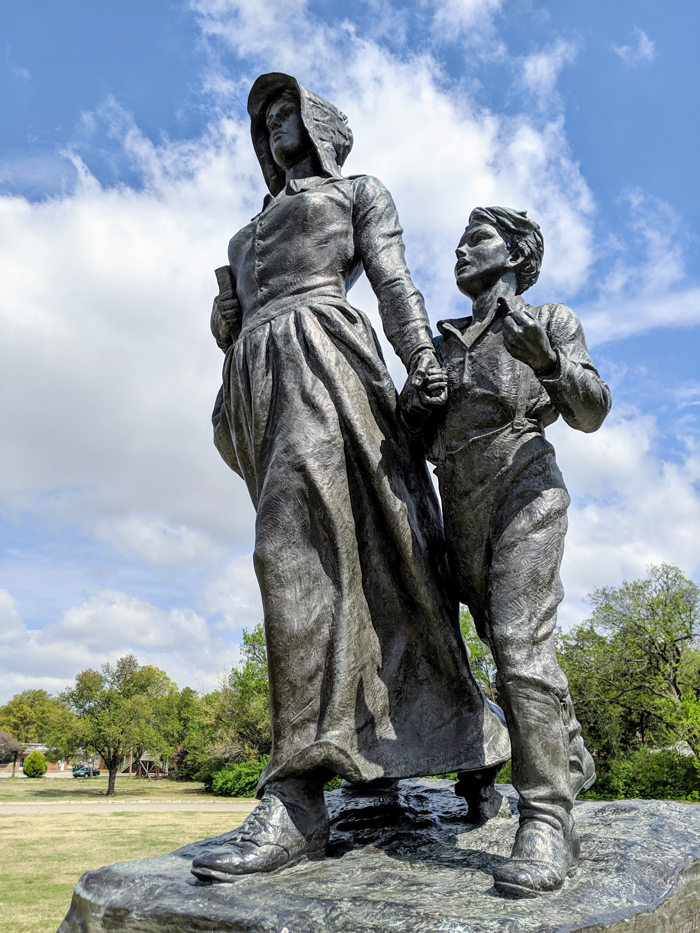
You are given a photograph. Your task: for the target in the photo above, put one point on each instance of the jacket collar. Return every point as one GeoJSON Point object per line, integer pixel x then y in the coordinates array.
{"type": "Point", "coordinates": [464, 329]}
{"type": "Point", "coordinates": [295, 186]}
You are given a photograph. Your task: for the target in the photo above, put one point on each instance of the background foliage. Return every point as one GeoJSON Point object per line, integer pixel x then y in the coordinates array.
{"type": "Point", "coordinates": [633, 669]}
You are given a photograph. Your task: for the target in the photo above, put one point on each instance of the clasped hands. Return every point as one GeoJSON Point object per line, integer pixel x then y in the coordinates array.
{"type": "Point", "coordinates": [523, 337]}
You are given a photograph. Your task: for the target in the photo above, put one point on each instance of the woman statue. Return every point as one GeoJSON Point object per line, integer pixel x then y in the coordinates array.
{"type": "Point", "coordinates": [369, 675]}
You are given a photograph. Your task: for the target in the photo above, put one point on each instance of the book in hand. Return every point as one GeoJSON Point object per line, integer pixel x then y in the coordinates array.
{"type": "Point", "coordinates": [226, 318]}
{"type": "Point", "coordinates": [223, 277]}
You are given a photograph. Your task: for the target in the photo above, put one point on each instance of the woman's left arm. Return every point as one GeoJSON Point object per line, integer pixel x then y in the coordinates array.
{"type": "Point", "coordinates": [379, 241]}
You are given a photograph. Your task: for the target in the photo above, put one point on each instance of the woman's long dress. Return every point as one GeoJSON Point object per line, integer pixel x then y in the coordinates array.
{"type": "Point", "coordinates": [369, 674]}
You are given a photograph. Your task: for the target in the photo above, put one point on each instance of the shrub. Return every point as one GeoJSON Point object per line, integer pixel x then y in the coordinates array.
{"type": "Point", "coordinates": [652, 775]}
{"type": "Point", "coordinates": [35, 765]}
{"type": "Point", "coordinates": [239, 779]}
{"type": "Point", "coordinates": [505, 775]}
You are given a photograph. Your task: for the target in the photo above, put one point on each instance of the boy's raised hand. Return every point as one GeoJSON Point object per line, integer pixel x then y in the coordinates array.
{"type": "Point", "coordinates": [526, 339]}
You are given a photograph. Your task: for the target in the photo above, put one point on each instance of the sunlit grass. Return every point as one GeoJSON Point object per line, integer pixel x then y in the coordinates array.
{"type": "Point", "coordinates": [24, 790]}
{"type": "Point", "coordinates": [43, 856]}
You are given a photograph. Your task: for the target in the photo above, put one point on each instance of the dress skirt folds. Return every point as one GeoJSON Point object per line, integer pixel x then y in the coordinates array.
{"type": "Point", "coordinates": [369, 674]}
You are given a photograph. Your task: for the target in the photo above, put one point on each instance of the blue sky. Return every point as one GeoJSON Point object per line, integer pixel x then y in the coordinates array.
{"type": "Point", "coordinates": [125, 166]}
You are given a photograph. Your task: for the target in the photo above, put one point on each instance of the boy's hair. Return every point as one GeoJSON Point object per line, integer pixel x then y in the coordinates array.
{"type": "Point", "coordinates": [521, 234]}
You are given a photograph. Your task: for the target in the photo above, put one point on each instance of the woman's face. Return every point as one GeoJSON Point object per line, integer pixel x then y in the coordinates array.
{"type": "Point", "coordinates": [289, 141]}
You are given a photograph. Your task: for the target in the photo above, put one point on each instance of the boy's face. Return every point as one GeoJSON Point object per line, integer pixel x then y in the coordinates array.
{"type": "Point", "coordinates": [482, 258]}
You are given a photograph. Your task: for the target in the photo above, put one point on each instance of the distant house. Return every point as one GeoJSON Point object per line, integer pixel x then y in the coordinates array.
{"type": "Point", "coordinates": [6, 763]}
{"type": "Point", "coordinates": [144, 767]}
{"type": "Point", "coordinates": [149, 767]}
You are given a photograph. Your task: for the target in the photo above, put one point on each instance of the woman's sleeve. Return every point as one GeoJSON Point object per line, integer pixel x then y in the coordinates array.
{"type": "Point", "coordinates": [379, 242]}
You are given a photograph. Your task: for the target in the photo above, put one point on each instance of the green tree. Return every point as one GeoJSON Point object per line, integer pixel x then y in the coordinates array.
{"type": "Point", "coordinates": [200, 731]}
{"type": "Point", "coordinates": [634, 667]}
{"type": "Point", "coordinates": [480, 658]}
{"type": "Point", "coordinates": [232, 724]}
{"type": "Point", "coordinates": [10, 748]}
{"type": "Point", "coordinates": [120, 709]}
{"type": "Point", "coordinates": [245, 700]}
{"type": "Point", "coordinates": [33, 716]}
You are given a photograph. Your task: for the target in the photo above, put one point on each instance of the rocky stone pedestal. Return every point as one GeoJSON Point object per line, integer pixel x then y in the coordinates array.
{"type": "Point", "coordinates": [408, 863]}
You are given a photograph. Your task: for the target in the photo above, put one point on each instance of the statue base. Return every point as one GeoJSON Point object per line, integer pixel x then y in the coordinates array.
{"type": "Point", "coordinates": [408, 862]}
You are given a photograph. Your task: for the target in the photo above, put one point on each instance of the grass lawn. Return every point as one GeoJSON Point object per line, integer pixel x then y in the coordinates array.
{"type": "Point", "coordinates": [54, 790]}
{"type": "Point", "coordinates": [42, 856]}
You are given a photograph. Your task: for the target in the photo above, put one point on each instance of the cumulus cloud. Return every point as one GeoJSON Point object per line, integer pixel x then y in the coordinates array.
{"type": "Point", "coordinates": [11, 626]}
{"type": "Point", "coordinates": [632, 506]}
{"type": "Point", "coordinates": [233, 596]}
{"type": "Point", "coordinates": [470, 22]}
{"type": "Point", "coordinates": [106, 352]}
{"type": "Point", "coordinates": [641, 51]}
{"type": "Point", "coordinates": [647, 285]}
{"type": "Point", "coordinates": [540, 70]}
{"type": "Point", "coordinates": [102, 629]}
{"type": "Point", "coordinates": [156, 540]}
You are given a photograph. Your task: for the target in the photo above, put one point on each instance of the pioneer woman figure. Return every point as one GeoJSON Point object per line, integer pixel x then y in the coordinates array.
{"type": "Point", "coordinates": [369, 676]}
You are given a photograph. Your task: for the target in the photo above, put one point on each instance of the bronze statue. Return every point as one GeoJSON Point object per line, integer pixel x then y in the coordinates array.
{"type": "Point", "coordinates": [512, 369]}
{"type": "Point", "coordinates": [369, 674]}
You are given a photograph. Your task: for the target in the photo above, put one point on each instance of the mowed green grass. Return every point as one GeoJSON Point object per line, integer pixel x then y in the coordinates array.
{"type": "Point", "coordinates": [42, 856]}
{"type": "Point", "coordinates": [55, 790]}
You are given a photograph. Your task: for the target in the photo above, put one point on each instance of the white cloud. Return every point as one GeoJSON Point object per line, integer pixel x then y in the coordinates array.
{"type": "Point", "coordinates": [540, 71]}
{"type": "Point", "coordinates": [640, 52]}
{"type": "Point", "coordinates": [631, 506]}
{"type": "Point", "coordinates": [106, 352]}
{"type": "Point", "coordinates": [102, 629]}
{"type": "Point", "coordinates": [470, 21]}
{"type": "Point", "coordinates": [156, 540]}
{"type": "Point", "coordinates": [623, 316]}
{"type": "Point", "coordinates": [647, 285]}
{"type": "Point", "coordinates": [234, 595]}
{"type": "Point", "coordinates": [11, 627]}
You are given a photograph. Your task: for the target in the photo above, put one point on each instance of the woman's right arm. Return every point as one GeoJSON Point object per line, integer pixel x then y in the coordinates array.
{"type": "Point", "coordinates": [226, 318]}
{"type": "Point", "coordinates": [226, 328]}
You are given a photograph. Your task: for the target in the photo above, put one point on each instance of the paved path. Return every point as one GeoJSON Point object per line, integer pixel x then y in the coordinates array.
{"type": "Point", "coordinates": [132, 806]}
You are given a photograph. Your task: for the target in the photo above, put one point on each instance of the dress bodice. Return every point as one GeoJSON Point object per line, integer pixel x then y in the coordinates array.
{"type": "Point", "coordinates": [312, 241]}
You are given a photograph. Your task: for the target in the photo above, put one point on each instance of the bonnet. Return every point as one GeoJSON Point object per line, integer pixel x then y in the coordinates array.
{"type": "Point", "coordinates": [327, 127]}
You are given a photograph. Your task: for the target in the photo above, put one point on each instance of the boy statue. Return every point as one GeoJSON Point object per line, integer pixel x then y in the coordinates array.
{"type": "Point", "coordinates": [511, 370]}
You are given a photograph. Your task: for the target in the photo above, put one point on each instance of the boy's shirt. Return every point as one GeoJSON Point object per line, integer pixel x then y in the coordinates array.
{"type": "Point", "coordinates": [492, 395]}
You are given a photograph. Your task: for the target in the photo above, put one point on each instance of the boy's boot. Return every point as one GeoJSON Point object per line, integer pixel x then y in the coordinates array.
{"type": "Point", "coordinates": [581, 764]}
{"type": "Point", "coordinates": [546, 847]}
{"type": "Point", "coordinates": [290, 823]}
{"type": "Point", "coordinates": [479, 791]}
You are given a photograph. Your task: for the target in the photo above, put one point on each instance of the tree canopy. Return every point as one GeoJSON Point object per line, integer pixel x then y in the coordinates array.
{"type": "Point", "coordinates": [634, 666]}
{"type": "Point", "coordinates": [33, 716]}
{"type": "Point", "coordinates": [480, 658]}
{"type": "Point", "coordinates": [120, 710]}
